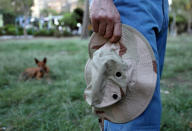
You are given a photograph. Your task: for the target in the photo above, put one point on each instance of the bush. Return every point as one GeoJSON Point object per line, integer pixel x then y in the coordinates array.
{"type": "Point", "coordinates": [44, 32]}
{"type": "Point", "coordinates": [41, 32]}
{"type": "Point", "coordinates": [11, 30]}
{"type": "Point", "coordinates": [181, 23]}
{"type": "Point", "coordinates": [30, 31]}
{"type": "Point", "coordinates": [57, 33]}
{"type": "Point", "coordinates": [2, 32]}
{"type": "Point", "coordinates": [52, 32]}
{"type": "Point", "coordinates": [67, 33]}
{"type": "Point", "coordinates": [20, 31]}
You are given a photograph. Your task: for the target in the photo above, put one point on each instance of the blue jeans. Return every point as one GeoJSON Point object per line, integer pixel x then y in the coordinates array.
{"type": "Point", "coordinates": [150, 17]}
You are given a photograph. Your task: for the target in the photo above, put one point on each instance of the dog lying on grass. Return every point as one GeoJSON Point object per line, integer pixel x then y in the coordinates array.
{"type": "Point", "coordinates": [36, 72]}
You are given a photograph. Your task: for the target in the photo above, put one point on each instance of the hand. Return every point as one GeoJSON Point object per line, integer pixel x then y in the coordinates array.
{"type": "Point", "coordinates": [106, 19]}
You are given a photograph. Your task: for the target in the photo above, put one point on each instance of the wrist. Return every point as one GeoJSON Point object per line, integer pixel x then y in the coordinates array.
{"type": "Point", "coordinates": [102, 1]}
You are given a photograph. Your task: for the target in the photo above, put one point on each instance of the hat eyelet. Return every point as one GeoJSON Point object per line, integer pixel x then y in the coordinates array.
{"type": "Point", "coordinates": [115, 96]}
{"type": "Point", "coordinates": [118, 74]}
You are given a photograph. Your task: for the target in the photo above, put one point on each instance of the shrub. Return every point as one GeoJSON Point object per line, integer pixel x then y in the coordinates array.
{"type": "Point", "coordinates": [181, 23]}
{"type": "Point", "coordinates": [67, 33]}
{"type": "Point", "coordinates": [2, 31]}
{"type": "Point", "coordinates": [41, 32]}
{"type": "Point", "coordinates": [30, 31]}
{"type": "Point", "coordinates": [20, 31]}
{"type": "Point", "coordinates": [10, 30]}
{"type": "Point", "coordinates": [51, 32]}
{"type": "Point", "coordinates": [44, 32]}
{"type": "Point", "coordinates": [57, 33]}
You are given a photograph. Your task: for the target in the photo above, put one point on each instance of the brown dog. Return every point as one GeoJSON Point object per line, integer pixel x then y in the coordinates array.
{"type": "Point", "coordinates": [36, 72]}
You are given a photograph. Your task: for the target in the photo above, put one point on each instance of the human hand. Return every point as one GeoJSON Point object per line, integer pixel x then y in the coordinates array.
{"type": "Point", "coordinates": [105, 19]}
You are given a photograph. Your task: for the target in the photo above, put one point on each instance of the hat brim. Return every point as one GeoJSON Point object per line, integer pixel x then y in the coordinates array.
{"type": "Point", "coordinates": [139, 95]}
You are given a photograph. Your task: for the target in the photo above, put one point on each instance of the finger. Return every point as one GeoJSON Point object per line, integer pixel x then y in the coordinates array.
{"type": "Point", "coordinates": [109, 31]}
{"type": "Point", "coordinates": [102, 28]}
{"type": "Point", "coordinates": [95, 24]}
{"type": "Point", "coordinates": [116, 33]}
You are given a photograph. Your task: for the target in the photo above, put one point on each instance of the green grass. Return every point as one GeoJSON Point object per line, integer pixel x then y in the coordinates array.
{"type": "Point", "coordinates": [177, 75]}
{"type": "Point", "coordinates": [59, 105]}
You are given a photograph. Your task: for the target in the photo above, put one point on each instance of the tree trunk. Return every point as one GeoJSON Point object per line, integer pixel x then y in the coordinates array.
{"type": "Point", "coordinates": [85, 31]}
{"type": "Point", "coordinates": [24, 28]}
{"type": "Point", "coordinates": [173, 28]}
{"type": "Point", "coordinates": [189, 25]}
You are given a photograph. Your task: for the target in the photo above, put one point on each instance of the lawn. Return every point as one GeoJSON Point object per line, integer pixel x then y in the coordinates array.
{"type": "Point", "coordinates": [59, 105]}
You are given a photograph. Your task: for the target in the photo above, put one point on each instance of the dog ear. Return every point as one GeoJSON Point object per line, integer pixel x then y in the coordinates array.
{"type": "Point", "coordinates": [36, 60]}
{"type": "Point", "coordinates": [45, 60]}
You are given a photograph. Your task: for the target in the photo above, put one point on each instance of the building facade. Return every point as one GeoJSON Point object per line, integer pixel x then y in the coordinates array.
{"type": "Point", "coordinates": [57, 5]}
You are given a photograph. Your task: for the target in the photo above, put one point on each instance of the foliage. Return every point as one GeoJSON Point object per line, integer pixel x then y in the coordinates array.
{"type": "Point", "coordinates": [181, 23]}
{"type": "Point", "coordinates": [184, 8]}
{"type": "Point", "coordinates": [6, 6]}
{"type": "Point", "coordinates": [9, 18]}
{"type": "Point", "coordinates": [59, 105]}
{"type": "Point", "coordinates": [67, 33]}
{"type": "Point", "coordinates": [2, 32]}
{"type": "Point", "coordinates": [58, 33]}
{"type": "Point", "coordinates": [81, 1]}
{"type": "Point", "coordinates": [16, 7]}
{"type": "Point", "coordinates": [22, 7]}
{"type": "Point", "coordinates": [44, 32]}
{"type": "Point", "coordinates": [47, 11]}
{"type": "Point", "coordinates": [187, 5]}
{"type": "Point", "coordinates": [11, 30]}
{"type": "Point", "coordinates": [69, 20]}
{"type": "Point", "coordinates": [78, 14]}
{"type": "Point", "coordinates": [30, 31]}
{"type": "Point", "coordinates": [51, 32]}
{"type": "Point", "coordinates": [14, 30]}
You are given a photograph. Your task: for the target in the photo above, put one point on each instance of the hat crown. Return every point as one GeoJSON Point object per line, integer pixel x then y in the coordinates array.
{"type": "Point", "coordinates": [110, 76]}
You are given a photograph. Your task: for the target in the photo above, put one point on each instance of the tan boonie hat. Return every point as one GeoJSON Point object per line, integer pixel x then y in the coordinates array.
{"type": "Point", "coordinates": [121, 78]}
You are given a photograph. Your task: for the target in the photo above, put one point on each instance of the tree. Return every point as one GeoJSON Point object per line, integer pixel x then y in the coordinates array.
{"type": "Point", "coordinates": [175, 9]}
{"type": "Point", "coordinates": [187, 12]}
{"type": "Point", "coordinates": [182, 8]}
{"type": "Point", "coordinates": [17, 7]}
{"type": "Point", "coordinates": [8, 12]}
{"type": "Point", "coordinates": [69, 20]}
{"type": "Point", "coordinates": [6, 6]}
{"type": "Point", "coordinates": [45, 12]}
{"type": "Point", "coordinates": [78, 14]}
{"type": "Point", "coordinates": [85, 31]}
{"type": "Point", "coordinates": [23, 7]}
